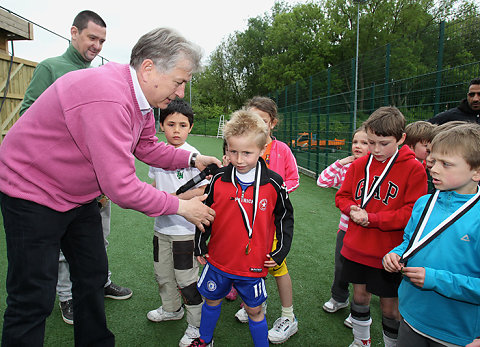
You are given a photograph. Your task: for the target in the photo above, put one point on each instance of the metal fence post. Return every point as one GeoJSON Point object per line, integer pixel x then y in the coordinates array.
{"type": "Point", "coordinates": [327, 118]}
{"type": "Point", "coordinates": [310, 92]}
{"type": "Point", "coordinates": [387, 76]}
{"type": "Point", "coordinates": [438, 83]}
{"type": "Point", "coordinates": [290, 115]}
{"type": "Point", "coordinates": [286, 136]}
{"type": "Point", "coordinates": [317, 166]}
{"type": "Point", "coordinates": [372, 107]}
{"type": "Point", "coordinates": [296, 108]}
{"type": "Point", "coordinates": [352, 98]}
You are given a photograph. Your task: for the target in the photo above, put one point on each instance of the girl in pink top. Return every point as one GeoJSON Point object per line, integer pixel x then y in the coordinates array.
{"type": "Point", "coordinates": [333, 176]}
{"type": "Point", "coordinates": [278, 155]}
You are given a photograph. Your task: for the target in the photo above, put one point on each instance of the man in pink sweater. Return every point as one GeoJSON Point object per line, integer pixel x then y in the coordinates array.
{"type": "Point", "coordinates": [77, 141]}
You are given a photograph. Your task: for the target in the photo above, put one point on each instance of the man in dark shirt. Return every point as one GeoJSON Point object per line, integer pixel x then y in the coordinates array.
{"type": "Point", "coordinates": [468, 110]}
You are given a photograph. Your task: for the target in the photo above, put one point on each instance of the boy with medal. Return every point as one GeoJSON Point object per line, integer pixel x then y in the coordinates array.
{"type": "Point", "coordinates": [251, 205]}
{"type": "Point", "coordinates": [439, 297]}
{"type": "Point", "coordinates": [280, 159]}
{"type": "Point", "coordinates": [378, 195]}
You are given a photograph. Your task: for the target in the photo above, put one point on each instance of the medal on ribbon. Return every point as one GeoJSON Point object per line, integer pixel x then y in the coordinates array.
{"type": "Point", "coordinates": [247, 248]}
{"type": "Point", "coordinates": [246, 220]}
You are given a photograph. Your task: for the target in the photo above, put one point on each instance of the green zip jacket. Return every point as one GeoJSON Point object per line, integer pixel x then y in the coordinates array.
{"type": "Point", "coordinates": [48, 71]}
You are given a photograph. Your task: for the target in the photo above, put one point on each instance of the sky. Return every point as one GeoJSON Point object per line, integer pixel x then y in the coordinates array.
{"type": "Point", "coordinates": [205, 22]}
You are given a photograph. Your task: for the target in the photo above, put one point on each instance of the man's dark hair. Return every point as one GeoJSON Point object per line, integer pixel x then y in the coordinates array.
{"type": "Point", "coordinates": [82, 19]}
{"type": "Point", "coordinates": [179, 106]}
{"type": "Point", "coordinates": [475, 81]}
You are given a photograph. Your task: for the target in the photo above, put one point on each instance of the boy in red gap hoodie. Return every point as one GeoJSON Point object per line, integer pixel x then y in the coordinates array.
{"type": "Point", "coordinates": [378, 194]}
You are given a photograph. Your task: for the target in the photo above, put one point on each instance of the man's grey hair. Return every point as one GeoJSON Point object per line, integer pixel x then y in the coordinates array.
{"type": "Point", "coordinates": [165, 47]}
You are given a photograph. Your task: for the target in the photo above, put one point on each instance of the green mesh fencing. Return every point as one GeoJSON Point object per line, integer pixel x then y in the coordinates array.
{"type": "Point", "coordinates": [317, 116]}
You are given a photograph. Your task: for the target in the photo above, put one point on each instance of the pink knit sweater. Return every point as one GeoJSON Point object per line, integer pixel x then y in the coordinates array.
{"type": "Point", "coordinates": [80, 139]}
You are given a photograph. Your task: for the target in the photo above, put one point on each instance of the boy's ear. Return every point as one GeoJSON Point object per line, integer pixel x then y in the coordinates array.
{"type": "Point", "coordinates": [476, 175]}
{"type": "Point", "coordinates": [161, 126]}
{"type": "Point", "coordinates": [191, 127]}
{"type": "Point", "coordinates": [263, 150]}
{"type": "Point", "coordinates": [402, 139]}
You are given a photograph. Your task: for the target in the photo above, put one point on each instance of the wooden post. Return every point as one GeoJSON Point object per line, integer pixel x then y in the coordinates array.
{"type": "Point", "coordinates": [20, 71]}
{"type": "Point", "coordinates": [3, 42]}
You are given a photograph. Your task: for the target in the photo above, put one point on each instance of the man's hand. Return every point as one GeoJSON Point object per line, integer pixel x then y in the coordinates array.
{"type": "Point", "coordinates": [203, 161]}
{"type": "Point", "coordinates": [359, 215]}
{"type": "Point", "coordinates": [390, 262]}
{"type": "Point", "coordinates": [102, 201]}
{"type": "Point", "coordinates": [196, 212]}
{"type": "Point", "coordinates": [416, 275]}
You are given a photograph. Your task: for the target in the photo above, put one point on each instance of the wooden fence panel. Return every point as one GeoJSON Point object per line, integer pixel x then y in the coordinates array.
{"type": "Point", "coordinates": [20, 75]}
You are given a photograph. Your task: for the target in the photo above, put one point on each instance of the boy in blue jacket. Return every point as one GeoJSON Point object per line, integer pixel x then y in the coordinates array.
{"type": "Point", "coordinates": [439, 296]}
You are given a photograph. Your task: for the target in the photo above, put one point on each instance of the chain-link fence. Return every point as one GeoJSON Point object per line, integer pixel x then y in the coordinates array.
{"type": "Point", "coordinates": [421, 75]}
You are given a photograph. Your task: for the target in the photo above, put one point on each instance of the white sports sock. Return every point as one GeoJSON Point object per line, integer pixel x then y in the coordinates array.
{"type": "Point", "coordinates": [361, 331]}
{"type": "Point", "coordinates": [288, 312]}
{"type": "Point", "coordinates": [389, 342]}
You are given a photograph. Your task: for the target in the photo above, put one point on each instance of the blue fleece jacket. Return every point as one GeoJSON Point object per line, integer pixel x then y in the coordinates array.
{"type": "Point", "coordinates": [448, 305]}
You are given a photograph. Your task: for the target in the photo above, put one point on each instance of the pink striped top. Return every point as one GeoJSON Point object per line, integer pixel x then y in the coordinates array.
{"type": "Point", "coordinates": [333, 176]}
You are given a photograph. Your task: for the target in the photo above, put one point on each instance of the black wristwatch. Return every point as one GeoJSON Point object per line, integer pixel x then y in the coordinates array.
{"type": "Point", "coordinates": [193, 159]}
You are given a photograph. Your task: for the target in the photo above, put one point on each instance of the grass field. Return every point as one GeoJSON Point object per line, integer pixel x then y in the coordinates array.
{"type": "Point", "coordinates": [310, 263]}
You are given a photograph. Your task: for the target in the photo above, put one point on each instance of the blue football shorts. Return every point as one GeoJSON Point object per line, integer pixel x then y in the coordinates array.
{"type": "Point", "coordinates": [215, 285]}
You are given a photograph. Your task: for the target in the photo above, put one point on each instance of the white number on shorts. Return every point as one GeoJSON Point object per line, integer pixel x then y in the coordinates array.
{"type": "Point", "coordinates": [258, 289]}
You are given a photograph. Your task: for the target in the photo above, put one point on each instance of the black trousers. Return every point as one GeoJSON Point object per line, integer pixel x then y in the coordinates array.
{"type": "Point", "coordinates": [340, 292]}
{"type": "Point", "coordinates": [408, 337]}
{"type": "Point", "coordinates": [34, 236]}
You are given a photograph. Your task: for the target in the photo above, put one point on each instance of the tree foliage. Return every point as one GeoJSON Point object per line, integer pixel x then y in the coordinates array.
{"type": "Point", "coordinates": [296, 46]}
{"type": "Point", "coordinates": [288, 44]}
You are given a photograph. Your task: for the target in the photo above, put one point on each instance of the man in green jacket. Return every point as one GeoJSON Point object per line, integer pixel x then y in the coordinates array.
{"type": "Point", "coordinates": [86, 44]}
{"type": "Point", "coordinates": [88, 35]}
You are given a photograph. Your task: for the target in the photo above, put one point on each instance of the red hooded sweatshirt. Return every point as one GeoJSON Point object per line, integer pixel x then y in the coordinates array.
{"type": "Point", "coordinates": [388, 210]}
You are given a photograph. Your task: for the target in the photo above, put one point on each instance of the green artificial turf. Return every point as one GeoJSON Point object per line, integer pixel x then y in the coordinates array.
{"type": "Point", "coordinates": [310, 263]}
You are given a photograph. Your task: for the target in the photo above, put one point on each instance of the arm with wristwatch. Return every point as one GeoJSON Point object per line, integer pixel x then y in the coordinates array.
{"type": "Point", "coordinates": [194, 210]}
